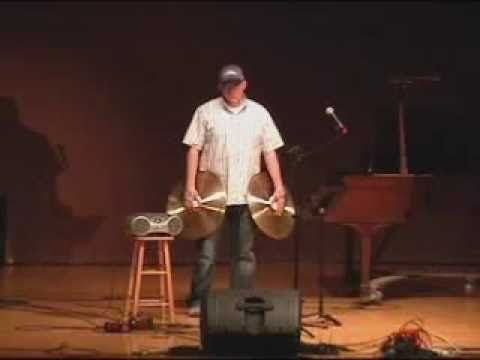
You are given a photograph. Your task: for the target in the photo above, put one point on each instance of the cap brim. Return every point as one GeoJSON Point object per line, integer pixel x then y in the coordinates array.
{"type": "Point", "coordinates": [231, 81]}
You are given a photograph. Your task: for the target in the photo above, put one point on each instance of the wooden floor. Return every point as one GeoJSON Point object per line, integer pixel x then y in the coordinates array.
{"type": "Point", "coordinates": [60, 311]}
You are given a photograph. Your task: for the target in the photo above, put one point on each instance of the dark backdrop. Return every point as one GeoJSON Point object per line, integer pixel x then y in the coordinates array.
{"type": "Point", "coordinates": [95, 99]}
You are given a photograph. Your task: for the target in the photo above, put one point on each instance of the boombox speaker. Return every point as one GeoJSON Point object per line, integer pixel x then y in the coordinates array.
{"type": "Point", "coordinates": [255, 321]}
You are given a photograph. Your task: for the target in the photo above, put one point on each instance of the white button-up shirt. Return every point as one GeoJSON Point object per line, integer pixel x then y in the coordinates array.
{"type": "Point", "coordinates": [232, 140]}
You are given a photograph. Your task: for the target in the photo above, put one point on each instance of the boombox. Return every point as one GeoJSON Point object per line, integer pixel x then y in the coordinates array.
{"type": "Point", "coordinates": [142, 224]}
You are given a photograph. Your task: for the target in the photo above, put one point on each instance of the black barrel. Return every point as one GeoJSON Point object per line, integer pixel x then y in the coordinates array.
{"type": "Point", "coordinates": [255, 321]}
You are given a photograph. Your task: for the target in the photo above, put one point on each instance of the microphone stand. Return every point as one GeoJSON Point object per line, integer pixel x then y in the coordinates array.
{"type": "Point", "coordinates": [298, 156]}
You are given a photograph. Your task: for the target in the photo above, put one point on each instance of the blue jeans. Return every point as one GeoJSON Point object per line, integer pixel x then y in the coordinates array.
{"type": "Point", "coordinates": [237, 226]}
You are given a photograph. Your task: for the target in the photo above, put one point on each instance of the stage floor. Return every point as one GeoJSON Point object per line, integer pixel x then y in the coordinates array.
{"type": "Point", "coordinates": [60, 311]}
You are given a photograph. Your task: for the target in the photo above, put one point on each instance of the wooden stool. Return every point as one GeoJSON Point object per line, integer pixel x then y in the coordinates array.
{"type": "Point", "coordinates": [164, 271]}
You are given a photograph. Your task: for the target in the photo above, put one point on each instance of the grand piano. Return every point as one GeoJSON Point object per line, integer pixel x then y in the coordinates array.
{"type": "Point", "coordinates": [374, 202]}
{"type": "Point", "coordinates": [370, 203]}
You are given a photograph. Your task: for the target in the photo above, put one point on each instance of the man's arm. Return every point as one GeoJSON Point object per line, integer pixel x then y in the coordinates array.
{"type": "Point", "coordinates": [273, 168]}
{"type": "Point", "coordinates": [191, 193]}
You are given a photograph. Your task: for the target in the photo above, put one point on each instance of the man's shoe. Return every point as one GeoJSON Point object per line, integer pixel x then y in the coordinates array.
{"type": "Point", "coordinates": [194, 311]}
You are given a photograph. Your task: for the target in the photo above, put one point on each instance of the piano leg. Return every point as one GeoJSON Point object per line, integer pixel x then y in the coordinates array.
{"type": "Point", "coordinates": [351, 275]}
{"type": "Point", "coordinates": [367, 232]}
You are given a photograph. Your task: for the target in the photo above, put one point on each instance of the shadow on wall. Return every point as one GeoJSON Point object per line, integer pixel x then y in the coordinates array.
{"type": "Point", "coordinates": [39, 228]}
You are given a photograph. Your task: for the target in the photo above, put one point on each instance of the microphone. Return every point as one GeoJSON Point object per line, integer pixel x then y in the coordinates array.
{"type": "Point", "coordinates": [329, 111]}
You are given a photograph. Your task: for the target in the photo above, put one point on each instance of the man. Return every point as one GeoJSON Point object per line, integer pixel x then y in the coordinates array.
{"type": "Point", "coordinates": [227, 136]}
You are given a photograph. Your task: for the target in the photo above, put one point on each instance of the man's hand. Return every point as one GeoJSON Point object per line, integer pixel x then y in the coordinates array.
{"type": "Point", "coordinates": [191, 198]}
{"type": "Point", "coordinates": [278, 200]}
{"type": "Point", "coordinates": [273, 167]}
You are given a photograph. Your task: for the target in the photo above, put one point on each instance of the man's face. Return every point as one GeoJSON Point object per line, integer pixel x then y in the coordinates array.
{"type": "Point", "coordinates": [234, 92]}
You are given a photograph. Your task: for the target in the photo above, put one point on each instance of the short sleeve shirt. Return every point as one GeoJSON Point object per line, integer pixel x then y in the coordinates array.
{"type": "Point", "coordinates": [232, 141]}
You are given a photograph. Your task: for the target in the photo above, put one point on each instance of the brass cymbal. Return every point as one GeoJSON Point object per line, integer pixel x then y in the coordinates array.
{"type": "Point", "coordinates": [208, 211]}
{"type": "Point", "coordinates": [262, 209]}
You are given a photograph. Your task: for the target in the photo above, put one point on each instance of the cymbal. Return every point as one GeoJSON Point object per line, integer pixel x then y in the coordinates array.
{"type": "Point", "coordinates": [208, 211]}
{"type": "Point", "coordinates": [262, 208]}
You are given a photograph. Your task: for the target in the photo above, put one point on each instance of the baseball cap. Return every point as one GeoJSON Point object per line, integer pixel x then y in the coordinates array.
{"type": "Point", "coordinates": [230, 72]}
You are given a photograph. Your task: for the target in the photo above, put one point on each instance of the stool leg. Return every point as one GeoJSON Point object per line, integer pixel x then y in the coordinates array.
{"type": "Point", "coordinates": [161, 265]}
{"type": "Point", "coordinates": [138, 277]}
{"type": "Point", "coordinates": [171, 304]}
{"type": "Point", "coordinates": [131, 281]}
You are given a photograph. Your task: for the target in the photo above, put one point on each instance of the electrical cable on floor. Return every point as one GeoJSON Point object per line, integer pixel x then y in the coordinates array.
{"type": "Point", "coordinates": [60, 312]}
{"type": "Point", "coordinates": [110, 300]}
{"type": "Point", "coordinates": [308, 332]}
{"type": "Point", "coordinates": [65, 350]}
{"type": "Point", "coordinates": [111, 297]}
{"type": "Point", "coordinates": [6, 303]}
{"type": "Point", "coordinates": [412, 339]}
{"type": "Point", "coordinates": [456, 349]}
{"type": "Point", "coordinates": [24, 305]}
{"type": "Point", "coordinates": [75, 314]}
{"type": "Point", "coordinates": [62, 350]}
{"type": "Point", "coordinates": [50, 327]}
{"type": "Point", "coordinates": [186, 332]}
